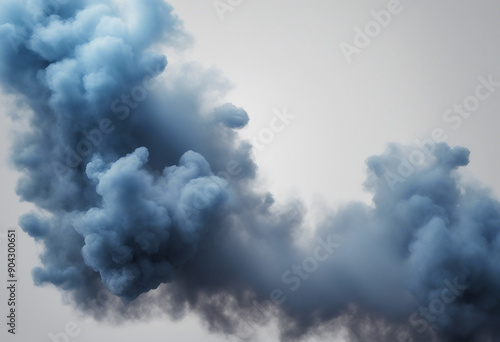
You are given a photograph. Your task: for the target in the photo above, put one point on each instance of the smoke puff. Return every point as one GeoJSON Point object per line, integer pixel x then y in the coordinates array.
{"type": "Point", "coordinates": [33, 226]}
{"type": "Point", "coordinates": [231, 116]}
{"type": "Point", "coordinates": [128, 238]}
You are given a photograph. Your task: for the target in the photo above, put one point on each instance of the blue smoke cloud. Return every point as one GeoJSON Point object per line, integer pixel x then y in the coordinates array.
{"type": "Point", "coordinates": [149, 202]}
{"type": "Point", "coordinates": [128, 238]}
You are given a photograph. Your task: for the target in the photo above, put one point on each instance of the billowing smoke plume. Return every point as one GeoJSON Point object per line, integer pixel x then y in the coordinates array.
{"type": "Point", "coordinates": [146, 200]}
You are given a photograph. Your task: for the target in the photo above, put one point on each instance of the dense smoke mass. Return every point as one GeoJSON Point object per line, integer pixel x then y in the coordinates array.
{"type": "Point", "coordinates": [147, 201]}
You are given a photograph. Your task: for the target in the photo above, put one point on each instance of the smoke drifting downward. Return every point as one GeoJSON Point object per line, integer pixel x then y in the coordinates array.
{"type": "Point", "coordinates": [143, 188]}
